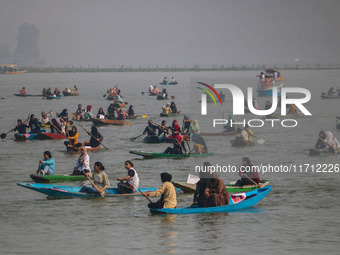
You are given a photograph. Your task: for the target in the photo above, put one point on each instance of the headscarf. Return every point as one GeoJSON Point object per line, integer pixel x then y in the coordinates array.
{"type": "Point", "coordinates": [331, 140]}
{"type": "Point", "coordinates": [195, 127]}
{"type": "Point", "coordinates": [94, 131]}
{"type": "Point", "coordinates": [165, 177]}
{"type": "Point", "coordinates": [89, 107]}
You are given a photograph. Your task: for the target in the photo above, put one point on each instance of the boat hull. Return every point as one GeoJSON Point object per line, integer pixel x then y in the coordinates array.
{"type": "Point", "coordinates": [104, 122]}
{"type": "Point", "coordinates": [157, 139]}
{"type": "Point", "coordinates": [28, 136]}
{"type": "Point", "coordinates": [67, 94]}
{"type": "Point", "coordinates": [52, 97]}
{"type": "Point", "coordinates": [147, 155]}
{"type": "Point", "coordinates": [169, 114]}
{"type": "Point", "coordinates": [63, 191]}
{"type": "Point", "coordinates": [169, 83]}
{"type": "Point", "coordinates": [77, 149]}
{"type": "Point", "coordinates": [251, 199]}
{"type": "Point", "coordinates": [56, 178]}
{"type": "Point", "coordinates": [50, 136]}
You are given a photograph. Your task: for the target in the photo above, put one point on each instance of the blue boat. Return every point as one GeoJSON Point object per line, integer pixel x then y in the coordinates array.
{"type": "Point", "coordinates": [63, 191]}
{"type": "Point", "coordinates": [28, 136]}
{"type": "Point", "coordinates": [262, 92]}
{"type": "Point", "coordinates": [236, 202]}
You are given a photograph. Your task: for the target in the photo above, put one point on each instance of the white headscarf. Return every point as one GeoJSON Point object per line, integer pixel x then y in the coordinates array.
{"type": "Point", "coordinates": [331, 140]}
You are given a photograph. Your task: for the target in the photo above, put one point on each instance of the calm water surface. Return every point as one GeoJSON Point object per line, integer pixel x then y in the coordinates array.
{"type": "Point", "coordinates": [299, 216]}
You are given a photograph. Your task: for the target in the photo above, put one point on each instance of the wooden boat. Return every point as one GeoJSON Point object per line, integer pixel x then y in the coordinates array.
{"type": "Point", "coordinates": [63, 191]}
{"type": "Point", "coordinates": [28, 136]}
{"type": "Point", "coordinates": [218, 133]}
{"type": "Point", "coordinates": [157, 139]}
{"type": "Point", "coordinates": [56, 178]}
{"type": "Point", "coordinates": [103, 122]}
{"type": "Point", "coordinates": [148, 155]}
{"type": "Point", "coordinates": [191, 187]}
{"type": "Point", "coordinates": [66, 93]}
{"type": "Point", "coordinates": [236, 202]}
{"type": "Point", "coordinates": [325, 96]}
{"type": "Point", "coordinates": [161, 97]}
{"type": "Point", "coordinates": [168, 83]}
{"type": "Point", "coordinates": [52, 97]}
{"type": "Point", "coordinates": [169, 114]}
{"type": "Point", "coordinates": [238, 142]}
{"type": "Point", "coordinates": [50, 136]}
{"type": "Point", "coordinates": [315, 152]}
{"type": "Point", "coordinates": [77, 149]}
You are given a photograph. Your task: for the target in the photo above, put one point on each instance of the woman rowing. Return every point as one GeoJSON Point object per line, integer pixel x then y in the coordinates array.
{"type": "Point", "coordinates": [327, 142]}
{"type": "Point", "coordinates": [21, 127]}
{"type": "Point", "coordinates": [45, 118]}
{"type": "Point", "coordinates": [173, 107]}
{"type": "Point", "coordinates": [46, 165]}
{"type": "Point", "coordinates": [167, 192]}
{"type": "Point", "coordinates": [175, 129]}
{"type": "Point", "coordinates": [130, 182]}
{"type": "Point", "coordinates": [73, 136]}
{"type": "Point", "coordinates": [178, 146]}
{"type": "Point", "coordinates": [163, 130]}
{"type": "Point", "coordinates": [83, 163]}
{"type": "Point", "coordinates": [56, 126]}
{"type": "Point", "coordinates": [215, 193]}
{"type": "Point", "coordinates": [248, 173]}
{"type": "Point", "coordinates": [96, 138]}
{"type": "Point", "coordinates": [201, 185]}
{"type": "Point", "coordinates": [150, 130]}
{"type": "Point", "coordinates": [99, 178]}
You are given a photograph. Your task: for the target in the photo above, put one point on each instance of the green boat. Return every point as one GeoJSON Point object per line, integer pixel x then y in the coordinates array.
{"type": "Point", "coordinates": [191, 187]}
{"type": "Point", "coordinates": [148, 155]}
{"type": "Point", "coordinates": [57, 178]}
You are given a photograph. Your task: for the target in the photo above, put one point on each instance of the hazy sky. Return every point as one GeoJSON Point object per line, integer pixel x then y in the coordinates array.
{"type": "Point", "coordinates": [177, 32]}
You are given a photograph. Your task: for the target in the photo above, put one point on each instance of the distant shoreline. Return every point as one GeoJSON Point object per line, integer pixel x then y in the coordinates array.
{"type": "Point", "coordinates": [220, 68]}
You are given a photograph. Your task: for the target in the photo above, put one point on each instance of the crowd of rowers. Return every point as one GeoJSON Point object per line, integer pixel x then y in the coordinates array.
{"type": "Point", "coordinates": [210, 190]}
{"type": "Point", "coordinates": [189, 131]}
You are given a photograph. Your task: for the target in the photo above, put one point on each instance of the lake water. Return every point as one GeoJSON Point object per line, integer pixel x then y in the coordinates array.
{"type": "Point", "coordinates": [299, 216]}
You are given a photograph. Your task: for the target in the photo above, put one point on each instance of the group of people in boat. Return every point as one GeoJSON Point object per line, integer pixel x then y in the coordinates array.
{"type": "Point", "coordinates": [170, 108]}
{"type": "Point", "coordinates": [48, 92]}
{"type": "Point", "coordinates": [189, 132]}
{"type": "Point", "coordinates": [332, 92]}
{"type": "Point", "coordinates": [153, 90]}
{"type": "Point", "coordinates": [166, 80]}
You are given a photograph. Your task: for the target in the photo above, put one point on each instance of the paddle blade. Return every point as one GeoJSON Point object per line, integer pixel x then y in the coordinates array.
{"type": "Point", "coordinates": [142, 93]}
{"type": "Point", "coordinates": [144, 116]}
{"type": "Point", "coordinates": [261, 141]}
{"type": "Point", "coordinates": [3, 136]}
{"type": "Point", "coordinates": [127, 123]}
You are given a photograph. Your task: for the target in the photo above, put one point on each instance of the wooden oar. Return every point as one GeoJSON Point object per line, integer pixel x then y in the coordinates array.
{"type": "Point", "coordinates": [145, 196]}
{"type": "Point", "coordinates": [94, 185]}
{"type": "Point", "coordinates": [259, 140]}
{"type": "Point", "coordinates": [182, 147]}
{"type": "Point", "coordinates": [93, 137]}
{"type": "Point", "coordinates": [134, 138]}
{"type": "Point", "coordinates": [253, 181]}
{"type": "Point", "coordinates": [57, 128]}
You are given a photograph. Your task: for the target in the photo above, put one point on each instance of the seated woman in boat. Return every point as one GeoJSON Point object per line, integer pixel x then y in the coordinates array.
{"type": "Point", "coordinates": [173, 107]}
{"type": "Point", "coordinates": [151, 129]}
{"type": "Point", "coordinates": [88, 114]}
{"type": "Point", "coordinates": [99, 178]}
{"type": "Point", "coordinates": [200, 146]}
{"type": "Point", "coordinates": [57, 92]}
{"type": "Point", "coordinates": [21, 127]}
{"type": "Point", "coordinates": [80, 113]}
{"type": "Point", "coordinates": [101, 113]}
{"type": "Point", "coordinates": [49, 92]}
{"type": "Point", "coordinates": [186, 124]}
{"type": "Point", "coordinates": [96, 138]}
{"type": "Point", "coordinates": [111, 111]}
{"type": "Point", "coordinates": [151, 89]}
{"type": "Point", "coordinates": [178, 148]}
{"type": "Point", "coordinates": [164, 93]}
{"type": "Point", "coordinates": [34, 125]}
{"type": "Point", "coordinates": [163, 130]}
{"type": "Point", "coordinates": [175, 129]}
{"type": "Point", "coordinates": [120, 114]}
{"type": "Point", "coordinates": [165, 79]}
{"type": "Point", "coordinates": [63, 115]}
{"type": "Point", "coordinates": [46, 165]}
{"type": "Point", "coordinates": [167, 192]}
{"type": "Point", "coordinates": [130, 182]}
{"type": "Point", "coordinates": [83, 163]}
{"type": "Point", "coordinates": [201, 185]}
{"type": "Point", "coordinates": [155, 90]}
{"type": "Point", "coordinates": [44, 92]}
{"type": "Point", "coordinates": [23, 91]}
{"type": "Point", "coordinates": [215, 193]}
{"type": "Point", "coordinates": [73, 136]}
{"type": "Point", "coordinates": [327, 142]}
{"type": "Point", "coordinates": [244, 135]}
{"type": "Point", "coordinates": [45, 118]}
{"type": "Point", "coordinates": [131, 112]}
{"type": "Point", "coordinates": [67, 89]}
{"type": "Point", "coordinates": [248, 173]}
{"type": "Point", "coordinates": [194, 129]}
{"type": "Point", "coordinates": [173, 80]}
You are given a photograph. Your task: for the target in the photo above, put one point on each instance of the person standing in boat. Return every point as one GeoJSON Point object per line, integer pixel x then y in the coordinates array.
{"type": "Point", "coordinates": [96, 138]}
{"type": "Point", "coordinates": [83, 163]}
{"type": "Point", "coordinates": [99, 178]}
{"type": "Point", "coordinates": [216, 193]}
{"type": "Point", "coordinates": [167, 192]}
{"type": "Point", "coordinates": [129, 183]}
{"type": "Point", "coordinates": [34, 125]}
{"type": "Point", "coordinates": [150, 130]}
{"type": "Point", "coordinates": [248, 173]}
{"type": "Point", "coordinates": [23, 91]}
{"type": "Point", "coordinates": [21, 127]}
{"type": "Point", "coordinates": [46, 165]}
